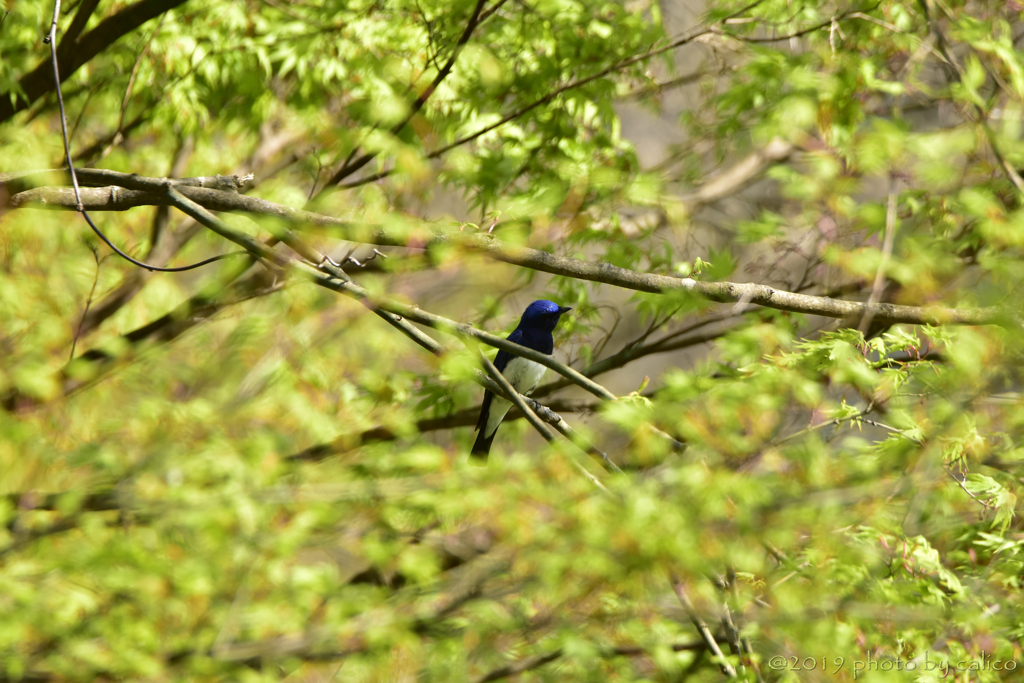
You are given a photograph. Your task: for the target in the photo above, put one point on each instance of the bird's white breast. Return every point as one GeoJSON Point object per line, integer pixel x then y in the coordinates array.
{"type": "Point", "coordinates": [523, 375]}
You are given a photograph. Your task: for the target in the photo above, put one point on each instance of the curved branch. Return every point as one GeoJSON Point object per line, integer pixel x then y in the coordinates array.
{"type": "Point", "coordinates": [727, 182]}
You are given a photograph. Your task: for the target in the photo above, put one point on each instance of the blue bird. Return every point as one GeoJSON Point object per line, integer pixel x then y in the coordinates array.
{"type": "Point", "coordinates": [533, 332]}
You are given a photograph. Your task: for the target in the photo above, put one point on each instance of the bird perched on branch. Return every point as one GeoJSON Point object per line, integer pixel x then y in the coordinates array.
{"type": "Point", "coordinates": [533, 332]}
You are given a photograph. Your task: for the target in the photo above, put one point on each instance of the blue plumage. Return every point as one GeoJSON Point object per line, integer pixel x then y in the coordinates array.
{"type": "Point", "coordinates": [534, 332]}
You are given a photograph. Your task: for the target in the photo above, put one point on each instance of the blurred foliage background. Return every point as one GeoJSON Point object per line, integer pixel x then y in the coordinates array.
{"type": "Point", "coordinates": [232, 474]}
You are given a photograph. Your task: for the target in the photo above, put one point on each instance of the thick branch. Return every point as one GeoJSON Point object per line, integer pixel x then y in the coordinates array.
{"type": "Point", "coordinates": [730, 292]}
{"type": "Point", "coordinates": [114, 198]}
{"type": "Point", "coordinates": [85, 11]}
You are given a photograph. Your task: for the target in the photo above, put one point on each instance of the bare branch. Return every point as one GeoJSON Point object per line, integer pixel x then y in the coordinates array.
{"type": "Point", "coordinates": [554, 419]}
{"type": "Point", "coordinates": [327, 274]}
{"type": "Point", "coordinates": [520, 402]}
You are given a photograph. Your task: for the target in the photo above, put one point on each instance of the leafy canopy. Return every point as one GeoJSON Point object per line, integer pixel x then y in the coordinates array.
{"type": "Point", "coordinates": [235, 474]}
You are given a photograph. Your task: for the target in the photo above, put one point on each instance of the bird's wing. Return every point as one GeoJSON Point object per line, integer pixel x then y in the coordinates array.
{"type": "Point", "coordinates": [503, 357]}
{"type": "Point", "coordinates": [500, 362]}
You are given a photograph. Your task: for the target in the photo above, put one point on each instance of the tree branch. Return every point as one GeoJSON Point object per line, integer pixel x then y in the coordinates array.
{"type": "Point", "coordinates": [546, 99]}
{"type": "Point", "coordinates": [802, 32]}
{"type": "Point", "coordinates": [555, 420]}
{"type": "Point", "coordinates": [630, 353]}
{"type": "Point", "coordinates": [491, 246]}
{"type": "Point", "coordinates": [520, 402]}
{"type": "Point", "coordinates": [162, 247]}
{"type": "Point", "coordinates": [85, 10]}
{"type": "Point", "coordinates": [887, 243]}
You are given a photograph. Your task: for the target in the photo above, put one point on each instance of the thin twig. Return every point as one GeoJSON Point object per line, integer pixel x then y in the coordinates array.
{"type": "Point", "coordinates": [798, 34]}
{"type": "Point", "coordinates": [555, 420]}
{"type": "Point", "coordinates": [88, 303]}
{"type": "Point", "coordinates": [858, 417]}
{"type": "Point", "coordinates": [516, 399]}
{"type": "Point", "coordinates": [961, 483]}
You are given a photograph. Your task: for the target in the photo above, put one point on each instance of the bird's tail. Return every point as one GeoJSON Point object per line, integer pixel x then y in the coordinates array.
{"type": "Point", "coordinates": [481, 448]}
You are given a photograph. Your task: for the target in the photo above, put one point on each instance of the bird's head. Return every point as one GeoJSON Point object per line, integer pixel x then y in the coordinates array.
{"type": "Point", "coordinates": [542, 315]}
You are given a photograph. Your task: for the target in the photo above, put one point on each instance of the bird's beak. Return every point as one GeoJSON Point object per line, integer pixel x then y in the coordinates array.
{"type": "Point", "coordinates": [564, 309]}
